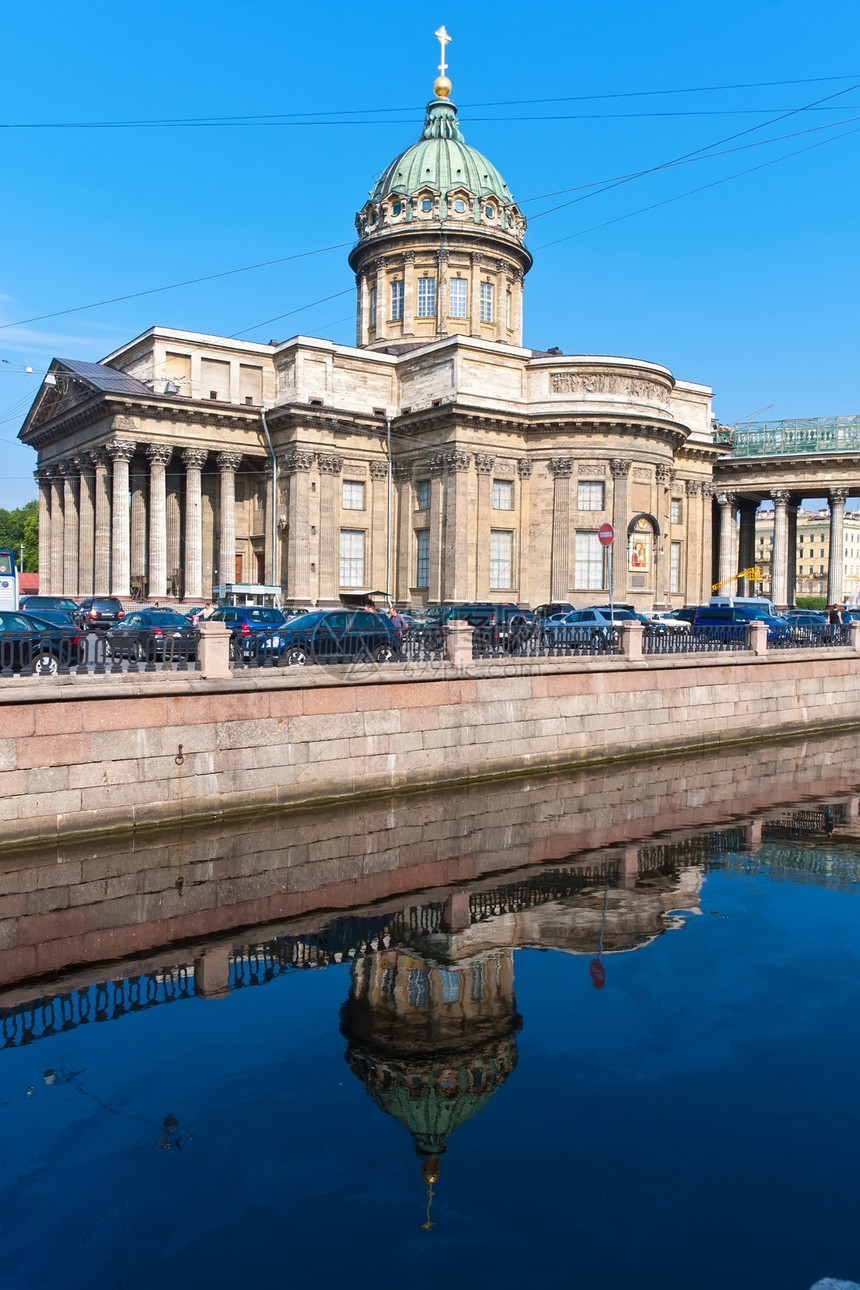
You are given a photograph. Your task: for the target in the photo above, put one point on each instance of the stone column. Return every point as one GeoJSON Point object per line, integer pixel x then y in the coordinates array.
{"type": "Point", "coordinates": [620, 518]}
{"type": "Point", "coordinates": [138, 525]}
{"type": "Point", "coordinates": [194, 459]}
{"type": "Point", "coordinates": [57, 531]}
{"type": "Point", "coordinates": [361, 315]}
{"type": "Point", "coordinates": [173, 521]}
{"type": "Point", "coordinates": [791, 524]}
{"type": "Point", "coordinates": [70, 528]}
{"type": "Point", "coordinates": [779, 567]}
{"type": "Point", "coordinates": [525, 555]}
{"type": "Point", "coordinates": [329, 535]}
{"type": "Point", "coordinates": [158, 455]}
{"type": "Point", "coordinates": [475, 294]}
{"type": "Point", "coordinates": [703, 591]}
{"type": "Point", "coordinates": [455, 584]}
{"type": "Point", "coordinates": [298, 571]}
{"type": "Point", "coordinates": [380, 539]}
{"type": "Point", "coordinates": [442, 291]}
{"type": "Point", "coordinates": [101, 537]}
{"type": "Point", "coordinates": [728, 568]}
{"type": "Point", "coordinates": [228, 464]}
{"type": "Point", "coordinates": [378, 322]}
{"type": "Point", "coordinates": [86, 524]}
{"type": "Point", "coordinates": [560, 468]}
{"type": "Point", "coordinates": [746, 544]}
{"type": "Point", "coordinates": [404, 547]}
{"type": "Point", "coordinates": [837, 555]}
{"type": "Point", "coordinates": [43, 479]}
{"type": "Point", "coordinates": [484, 467]}
{"type": "Point", "coordinates": [408, 294]}
{"type": "Point", "coordinates": [437, 518]}
{"type": "Point", "coordinates": [694, 553]}
{"type": "Point", "coordinates": [121, 452]}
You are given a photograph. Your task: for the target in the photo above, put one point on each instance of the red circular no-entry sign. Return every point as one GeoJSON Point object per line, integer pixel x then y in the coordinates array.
{"type": "Point", "coordinates": [605, 534]}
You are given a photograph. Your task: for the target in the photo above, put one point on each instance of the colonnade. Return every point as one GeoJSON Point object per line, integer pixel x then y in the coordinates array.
{"type": "Point", "coordinates": [110, 525]}
{"type": "Point", "coordinates": [737, 517]}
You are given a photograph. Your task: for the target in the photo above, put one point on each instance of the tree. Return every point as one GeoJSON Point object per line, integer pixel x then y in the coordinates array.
{"type": "Point", "coordinates": [19, 527]}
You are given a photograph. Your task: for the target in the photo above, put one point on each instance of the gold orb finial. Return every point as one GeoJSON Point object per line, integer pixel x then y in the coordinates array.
{"type": "Point", "coordinates": [442, 86]}
{"type": "Point", "coordinates": [430, 1170]}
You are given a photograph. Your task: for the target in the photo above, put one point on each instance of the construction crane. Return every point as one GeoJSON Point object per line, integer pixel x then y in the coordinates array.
{"type": "Point", "coordinates": [754, 575]}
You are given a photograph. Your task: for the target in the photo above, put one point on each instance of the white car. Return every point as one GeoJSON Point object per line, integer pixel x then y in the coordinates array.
{"type": "Point", "coordinates": [658, 618]}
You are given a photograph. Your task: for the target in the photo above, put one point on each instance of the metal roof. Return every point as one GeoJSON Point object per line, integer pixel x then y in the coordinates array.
{"type": "Point", "coordinates": [107, 379]}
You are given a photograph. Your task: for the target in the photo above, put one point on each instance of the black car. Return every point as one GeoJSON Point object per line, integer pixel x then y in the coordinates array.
{"type": "Point", "coordinates": [497, 626]}
{"type": "Point", "coordinates": [337, 636]}
{"type": "Point", "coordinates": [248, 624]}
{"type": "Point", "coordinates": [38, 605]}
{"type": "Point", "coordinates": [29, 643]}
{"type": "Point", "coordinates": [552, 609]}
{"type": "Point", "coordinates": [100, 611]}
{"type": "Point", "coordinates": [149, 634]}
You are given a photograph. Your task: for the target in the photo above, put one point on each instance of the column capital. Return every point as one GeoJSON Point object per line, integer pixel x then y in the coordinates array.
{"type": "Point", "coordinates": [620, 469]}
{"type": "Point", "coordinates": [329, 464]}
{"type": "Point", "coordinates": [379, 470]}
{"type": "Point", "coordinates": [68, 468]}
{"type": "Point", "coordinates": [780, 496]}
{"type": "Point", "coordinates": [158, 454]}
{"type": "Point", "coordinates": [83, 462]}
{"type": "Point", "coordinates": [120, 449]}
{"type": "Point", "coordinates": [665, 475]}
{"type": "Point", "coordinates": [692, 486]}
{"type": "Point", "coordinates": [708, 491]}
{"type": "Point", "coordinates": [484, 464]}
{"type": "Point", "coordinates": [194, 458]}
{"type": "Point", "coordinates": [524, 468]}
{"type": "Point", "coordinates": [298, 460]}
{"type": "Point", "coordinates": [43, 474]}
{"type": "Point", "coordinates": [98, 457]}
{"type": "Point", "coordinates": [561, 467]}
{"type": "Point", "coordinates": [229, 461]}
{"type": "Point", "coordinates": [455, 460]}
{"type": "Point", "coordinates": [837, 494]}
{"type": "Point", "coordinates": [408, 257]}
{"type": "Point", "coordinates": [727, 499]}
{"type": "Point", "coordinates": [402, 470]}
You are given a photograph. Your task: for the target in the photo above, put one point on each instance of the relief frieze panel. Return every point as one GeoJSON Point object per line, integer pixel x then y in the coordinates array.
{"type": "Point", "coordinates": [631, 387]}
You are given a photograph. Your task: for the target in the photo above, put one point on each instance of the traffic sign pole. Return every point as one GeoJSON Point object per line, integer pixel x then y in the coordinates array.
{"type": "Point", "coordinates": [605, 535]}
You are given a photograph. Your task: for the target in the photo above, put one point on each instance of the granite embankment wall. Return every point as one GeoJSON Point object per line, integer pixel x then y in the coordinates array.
{"type": "Point", "coordinates": [88, 754]}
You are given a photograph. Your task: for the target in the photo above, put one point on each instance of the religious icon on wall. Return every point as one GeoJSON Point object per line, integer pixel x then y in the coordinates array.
{"type": "Point", "coordinates": [639, 548]}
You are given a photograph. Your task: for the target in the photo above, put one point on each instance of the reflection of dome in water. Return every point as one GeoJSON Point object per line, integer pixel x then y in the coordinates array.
{"type": "Point", "coordinates": [431, 1044]}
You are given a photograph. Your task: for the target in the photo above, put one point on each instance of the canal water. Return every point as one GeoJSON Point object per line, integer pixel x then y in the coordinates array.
{"type": "Point", "coordinates": [572, 1032]}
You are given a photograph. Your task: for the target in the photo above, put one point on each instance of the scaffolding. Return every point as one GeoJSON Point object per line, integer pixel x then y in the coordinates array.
{"type": "Point", "coordinates": [774, 438]}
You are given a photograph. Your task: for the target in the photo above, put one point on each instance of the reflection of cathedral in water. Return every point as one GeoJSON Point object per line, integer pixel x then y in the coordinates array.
{"type": "Point", "coordinates": [431, 1042]}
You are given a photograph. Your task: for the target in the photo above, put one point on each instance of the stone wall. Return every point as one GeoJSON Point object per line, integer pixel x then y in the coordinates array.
{"type": "Point", "coordinates": [82, 755]}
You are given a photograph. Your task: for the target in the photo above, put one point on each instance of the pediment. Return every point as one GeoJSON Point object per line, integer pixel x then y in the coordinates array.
{"type": "Point", "coordinates": [56, 398]}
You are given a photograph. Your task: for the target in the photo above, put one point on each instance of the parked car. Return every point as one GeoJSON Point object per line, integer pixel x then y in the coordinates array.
{"type": "Point", "coordinates": [57, 618]}
{"type": "Point", "coordinates": [555, 608]}
{"type": "Point", "coordinates": [716, 619]}
{"type": "Point", "coordinates": [30, 642]}
{"type": "Point", "coordinates": [660, 618]}
{"type": "Point", "coordinates": [337, 636]}
{"type": "Point", "coordinates": [806, 617]}
{"type": "Point", "coordinates": [247, 622]}
{"type": "Point", "coordinates": [597, 617]}
{"type": "Point", "coordinates": [152, 634]}
{"type": "Point", "coordinates": [37, 604]}
{"type": "Point", "coordinates": [100, 611]}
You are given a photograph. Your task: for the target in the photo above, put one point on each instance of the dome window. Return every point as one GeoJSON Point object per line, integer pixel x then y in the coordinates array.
{"type": "Point", "coordinates": [372, 218]}
{"type": "Point", "coordinates": [490, 212]}
{"type": "Point", "coordinates": [427, 204]}
{"type": "Point", "coordinates": [459, 205]}
{"type": "Point", "coordinates": [397, 208]}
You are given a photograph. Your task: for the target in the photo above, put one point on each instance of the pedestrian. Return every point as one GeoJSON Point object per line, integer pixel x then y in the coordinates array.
{"type": "Point", "coordinates": [835, 618]}
{"type": "Point", "coordinates": [398, 622]}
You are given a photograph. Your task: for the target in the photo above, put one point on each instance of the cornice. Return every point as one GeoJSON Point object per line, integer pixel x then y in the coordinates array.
{"type": "Point", "coordinates": [101, 406]}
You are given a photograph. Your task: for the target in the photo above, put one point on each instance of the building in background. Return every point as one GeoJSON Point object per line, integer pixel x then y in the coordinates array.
{"type": "Point", "coordinates": [812, 552]}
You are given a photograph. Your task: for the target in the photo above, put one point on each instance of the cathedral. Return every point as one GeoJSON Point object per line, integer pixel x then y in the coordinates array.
{"type": "Point", "coordinates": [436, 459]}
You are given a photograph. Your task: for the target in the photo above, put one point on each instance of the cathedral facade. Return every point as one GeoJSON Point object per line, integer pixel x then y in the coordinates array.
{"type": "Point", "coordinates": [438, 459]}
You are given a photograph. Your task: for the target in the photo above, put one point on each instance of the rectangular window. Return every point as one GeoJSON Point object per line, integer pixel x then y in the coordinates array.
{"type": "Point", "coordinates": [588, 562]}
{"type": "Point", "coordinates": [675, 567]}
{"type": "Point", "coordinates": [397, 301]}
{"type": "Point", "coordinates": [486, 302]}
{"type": "Point", "coordinates": [675, 510]}
{"type": "Point", "coordinates": [422, 568]}
{"type": "Point", "coordinates": [422, 495]}
{"type": "Point", "coordinates": [353, 495]}
{"type": "Point", "coordinates": [372, 319]}
{"type": "Point", "coordinates": [590, 497]}
{"type": "Point", "coordinates": [508, 310]}
{"type": "Point", "coordinates": [457, 298]}
{"type": "Point", "coordinates": [351, 558]}
{"type": "Point", "coordinates": [501, 559]}
{"type": "Point", "coordinates": [426, 297]}
{"type": "Point", "coordinates": [450, 985]}
{"type": "Point", "coordinates": [503, 495]}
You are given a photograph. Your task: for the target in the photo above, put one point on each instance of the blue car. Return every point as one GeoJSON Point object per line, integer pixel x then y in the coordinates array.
{"type": "Point", "coordinates": [337, 636]}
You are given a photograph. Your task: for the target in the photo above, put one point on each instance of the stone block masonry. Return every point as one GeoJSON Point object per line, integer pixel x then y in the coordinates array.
{"type": "Point", "coordinates": [81, 756]}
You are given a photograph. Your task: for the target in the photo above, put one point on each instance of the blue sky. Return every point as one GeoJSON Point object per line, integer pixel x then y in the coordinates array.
{"type": "Point", "coordinates": [749, 286]}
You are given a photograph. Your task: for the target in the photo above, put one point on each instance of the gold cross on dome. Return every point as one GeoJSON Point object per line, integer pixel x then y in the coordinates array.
{"type": "Point", "coordinates": [444, 39]}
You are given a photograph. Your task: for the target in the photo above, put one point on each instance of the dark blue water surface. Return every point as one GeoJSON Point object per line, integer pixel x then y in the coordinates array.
{"type": "Point", "coordinates": [693, 1125]}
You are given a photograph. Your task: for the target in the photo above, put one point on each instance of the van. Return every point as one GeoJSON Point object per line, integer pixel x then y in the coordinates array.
{"type": "Point", "coordinates": [746, 602]}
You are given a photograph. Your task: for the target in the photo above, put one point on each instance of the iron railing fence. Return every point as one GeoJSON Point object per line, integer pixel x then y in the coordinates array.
{"type": "Point", "coordinates": [537, 640]}
{"type": "Point", "coordinates": [39, 654]}
{"type": "Point", "coordinates": [808, 636]}
{"type": "Point", "coordinates": [775, 438]}
{"type": "Point", "coordinates": [290, 647]}
{"type": "Point", "coordinates": [423, 644]}
{"type": "Point", "coordinates": [711, 638]}
{"type": "Point", "coordinates": [29, 654]}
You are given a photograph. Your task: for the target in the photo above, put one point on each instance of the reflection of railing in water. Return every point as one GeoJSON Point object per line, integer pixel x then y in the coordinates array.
{"type": "Point", "coordinates": [696, 850]}
{"type": "Point", "coordinates": [812, 819]}
{"type": "Point", "coordinates": [106, 1002]}
{"type": "Point", "coordinates": [801, 864]}
{"type": "Point", "coordinates": [557, 884]}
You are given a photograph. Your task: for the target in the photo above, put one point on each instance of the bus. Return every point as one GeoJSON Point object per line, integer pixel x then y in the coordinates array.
{"type": "Point", "coordinates": [8, 581]}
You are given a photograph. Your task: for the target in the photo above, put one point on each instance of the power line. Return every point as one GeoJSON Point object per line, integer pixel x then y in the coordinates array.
{"type": "Point", "coordinates": [234, 335]}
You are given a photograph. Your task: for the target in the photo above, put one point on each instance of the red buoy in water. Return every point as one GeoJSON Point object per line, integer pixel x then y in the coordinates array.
{"type": "Point", "coordinates": [598, 976]}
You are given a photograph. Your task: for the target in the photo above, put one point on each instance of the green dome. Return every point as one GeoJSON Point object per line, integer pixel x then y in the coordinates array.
{"type": "Point", "coordinates": [442, 161]}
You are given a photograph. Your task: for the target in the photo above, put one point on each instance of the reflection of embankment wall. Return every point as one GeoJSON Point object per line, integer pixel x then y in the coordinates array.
{"type": "Point", "coordinates": [123, 753]}
{"type": "Point", "coordinates": [80, 901]}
